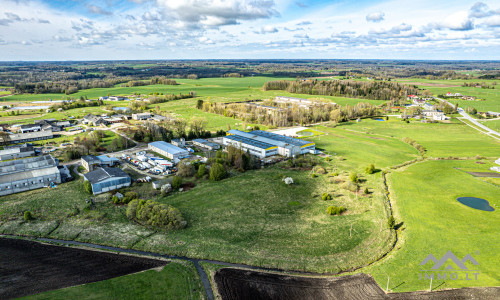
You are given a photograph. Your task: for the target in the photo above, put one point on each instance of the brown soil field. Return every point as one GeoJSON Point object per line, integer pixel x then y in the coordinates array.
{"type": "Point", "coordinates": [237, 284]}
{"type": "Point", "coordinates": [28, 268]}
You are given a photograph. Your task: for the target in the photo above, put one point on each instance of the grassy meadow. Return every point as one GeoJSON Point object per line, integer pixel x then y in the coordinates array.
{"type": "Point", "coordinates": [176, 280]}
{"type": "Point", "coordinates": [433, 222]}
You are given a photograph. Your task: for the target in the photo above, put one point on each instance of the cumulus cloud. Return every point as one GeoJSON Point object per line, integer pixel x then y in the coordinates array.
{"type": "Point", "coordinates": [94, 9]}
{"type": "Point", "coordinates": [481, 10]}
{"type": "Point", "coordinates": [303, 23]}
{"type": "Point", "coordinates": [301, 4]}
{"type": "Point", "coordinates": [268, 29]}
{"type": "Point", "coordinates": [375, 17]}
{"type": "Point", "coordinates": [203, 13]}
{"type": "Point", "coordinates": [457, 21]}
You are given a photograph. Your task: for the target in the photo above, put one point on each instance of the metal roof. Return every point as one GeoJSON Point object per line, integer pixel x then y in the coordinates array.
{"type": "Point", "coordinates": [104, 173]}
{"type": "Point", "coordinates": [249, 141]}
{"type": "Point", "coordinates": [168, 147]}
{"type": "Point", "coordinates": [279, 137]}
{"type": "Point", "coordinates": [89, 158]}
{"type": "Point", "coordinates": [27, 168]}
{"type": "Point", "coordinates": [29, 135]}
{"type": "Point", "coordinates": [106, 158]}
{"type": "Point", "coordinates": [30, 163]}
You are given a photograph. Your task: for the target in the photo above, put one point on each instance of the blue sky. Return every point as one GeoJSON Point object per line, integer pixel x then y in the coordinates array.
{"type": "Point", "coordinates": [219, 29]}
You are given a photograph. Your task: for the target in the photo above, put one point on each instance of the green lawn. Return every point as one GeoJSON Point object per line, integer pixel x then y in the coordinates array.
{"type": "Point", "coordinates": [494, 124]}
{"type": "Point", "coordinates": [440, 139]}
{"type": "Point", "coordinates": [434, 223]}
{"type": "Point", "coordinates": [176, 280]}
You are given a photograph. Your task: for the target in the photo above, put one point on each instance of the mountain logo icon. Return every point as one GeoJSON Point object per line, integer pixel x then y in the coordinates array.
{"type": "Point", "coordinates": [449, 256]}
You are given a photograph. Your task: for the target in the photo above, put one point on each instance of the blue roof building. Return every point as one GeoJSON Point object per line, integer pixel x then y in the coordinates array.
{"type": "Point", "coordinates": [168, 150]}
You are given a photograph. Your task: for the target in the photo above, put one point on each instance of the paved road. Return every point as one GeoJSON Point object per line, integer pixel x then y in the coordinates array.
{"type": "Point", "coordinates": [466, 116]}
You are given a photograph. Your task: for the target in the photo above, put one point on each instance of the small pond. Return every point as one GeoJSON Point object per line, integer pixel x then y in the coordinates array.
{"type": "Point", "coordinates": [476, 203]}
{"type": "Point", "coordinates": [30, 107]}
{"type": "Point", "coordinates": [379, 120]}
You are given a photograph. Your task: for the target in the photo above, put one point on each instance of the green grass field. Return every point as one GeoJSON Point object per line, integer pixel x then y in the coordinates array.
{"type": "Point", "coordinates": [176, 280]}
{"type": "Point", "coordinates": [440, 139]}
{"type": "Point", "coordinates": [434, 223]}
{"type": "Point", "coordinates": [490, 97]}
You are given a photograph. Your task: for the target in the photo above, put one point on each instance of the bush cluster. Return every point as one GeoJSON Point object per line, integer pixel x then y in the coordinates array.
{"type": "Point", "coordinates": [217, 172]}
{"type": "Point", "coordinates": [155, 214]}
{"type": "Point", "coordinates": [129, 196]}
{"type": "Point", "coordinates": [176, 183]}
{"type": "Point", "coordinates": [370, 169]}
{"type": "Point", "coordinates": [416, 145]}
{"type": "Point", "coordinates": [319, 170]}
{"type": "Point", "coordinates": [335, 210]}
{"type": "Point", "coordinates": [326, 196]}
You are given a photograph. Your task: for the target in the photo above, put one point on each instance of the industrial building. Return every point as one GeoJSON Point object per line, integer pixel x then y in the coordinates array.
{"type": "Point", "coordinates": [28, 174]}
{"type": "Point", "coordinates": [91, 162]}
{"type": "Point", "coordinates": [168, 150]}
{"type": "Point", "coordinates": [205, 144]}
{"type": "Point", "coordinates": [107, 179]}
{"type": "Point", "coordinates": [141, 116]}
{"type": "Point", "coordinates": [17, 152]}
{"type": "Point", "coordinates": [25, 137]}
{"type": "Point", "coordinates": [263, 144]}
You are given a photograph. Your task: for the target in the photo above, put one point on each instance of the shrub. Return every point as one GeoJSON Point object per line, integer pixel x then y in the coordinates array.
{"type": "Point", "coordinates": [370, 169]}
{"type": "Point", "coordinates": [129, 196]}
{"type": "Point", "coordinates": [313, 175]}
{"type": "Point", "coordinates": [28, 216]}
{"type": "Point", "coordinates": [391, 222]}
{"type": "Point", "coordinates": [328, 158]}
{"type": "Point", "coordinates": [202, 170]}
{"type": "Point", "coordinates": [185, 169]}
{"type": "Point", "coordinates": [335, 174]}
{"type": "Point", "coordinates": [115, 200]}
{"type": "Point", "coordinates": [217, 172]}
{"type": "Point", "coordinates": [353, 177]}
{"type": "Point", "coordinates": [155, 214]}
{"type": "Point", "coordinates": [176, 183]}
{"type": "Point", "coordinates": [87, 186]}
{"type": "Point", "coordinates": [366, 191]}
{"type": "Point", "coordinates": [326, 196]}
{"type": "Point", "coordinates": [335, 210]}
{"type": "Point", "coordinates": [319, 170]}
{"type": "Point", "coordinates": [351, 186]}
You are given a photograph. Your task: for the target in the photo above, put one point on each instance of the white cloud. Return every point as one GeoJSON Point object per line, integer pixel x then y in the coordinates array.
{"type": "Point", "coordinates": [194, 13]}
{"type": "Point", "coordinates": [375, 17]}
{"type": "Point", "coordinates": [268, 29]}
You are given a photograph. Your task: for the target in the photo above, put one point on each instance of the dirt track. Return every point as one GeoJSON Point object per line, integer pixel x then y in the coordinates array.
{"type": "Point", "coordinates": [29, 267]}
{"type": "Point", "coordinates": [242, 284]}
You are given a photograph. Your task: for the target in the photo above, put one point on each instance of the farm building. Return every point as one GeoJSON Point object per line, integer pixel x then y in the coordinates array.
{"type": "Point", "coordinates": [141, 116]}
{"type": "Point", "coordinates": [168, 150]}
{"type": "Point", "coordinates": [28, 174]}
{"type": "Point", "coordinates": [17, 152]}
{"type": "Point", "coordinates": [262, 143]}
{"type": "Point", "coordinates": [435, 115]}
{"type": "Point", "coordinates": [25, 137]}
{"type": "Point", "coordinates": [205, 144]}
{"type": "Point", "coordinates": [107, 179]}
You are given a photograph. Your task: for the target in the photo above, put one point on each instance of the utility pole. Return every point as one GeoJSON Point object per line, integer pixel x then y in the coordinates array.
{"type": "Point", "coordinates": [430, 287]}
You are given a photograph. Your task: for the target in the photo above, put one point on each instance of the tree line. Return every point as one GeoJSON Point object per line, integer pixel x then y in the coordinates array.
{"type": "Point", "coordinates": [376, 90]}
{"type": "Point", "coordinates": [279, 115]}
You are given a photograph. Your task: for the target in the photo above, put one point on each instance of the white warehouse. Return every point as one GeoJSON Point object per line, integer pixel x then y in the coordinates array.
{"type": "Point", "coordinates": [168, 150]}
{"type": "Point", "coordinates": [262, 143]}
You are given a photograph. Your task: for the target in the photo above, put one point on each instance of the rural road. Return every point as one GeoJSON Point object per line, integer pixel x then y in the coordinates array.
{"type": "Point", "coordinates": [465, 115]}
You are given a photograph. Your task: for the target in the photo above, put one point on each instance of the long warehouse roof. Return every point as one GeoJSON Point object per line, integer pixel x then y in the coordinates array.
{"type": "Point", "coordinates": [279, 137]}
{"type": "Point", "coordinates": [249, 141]}
{"type": "Point", "coordinates": [168, 147]}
